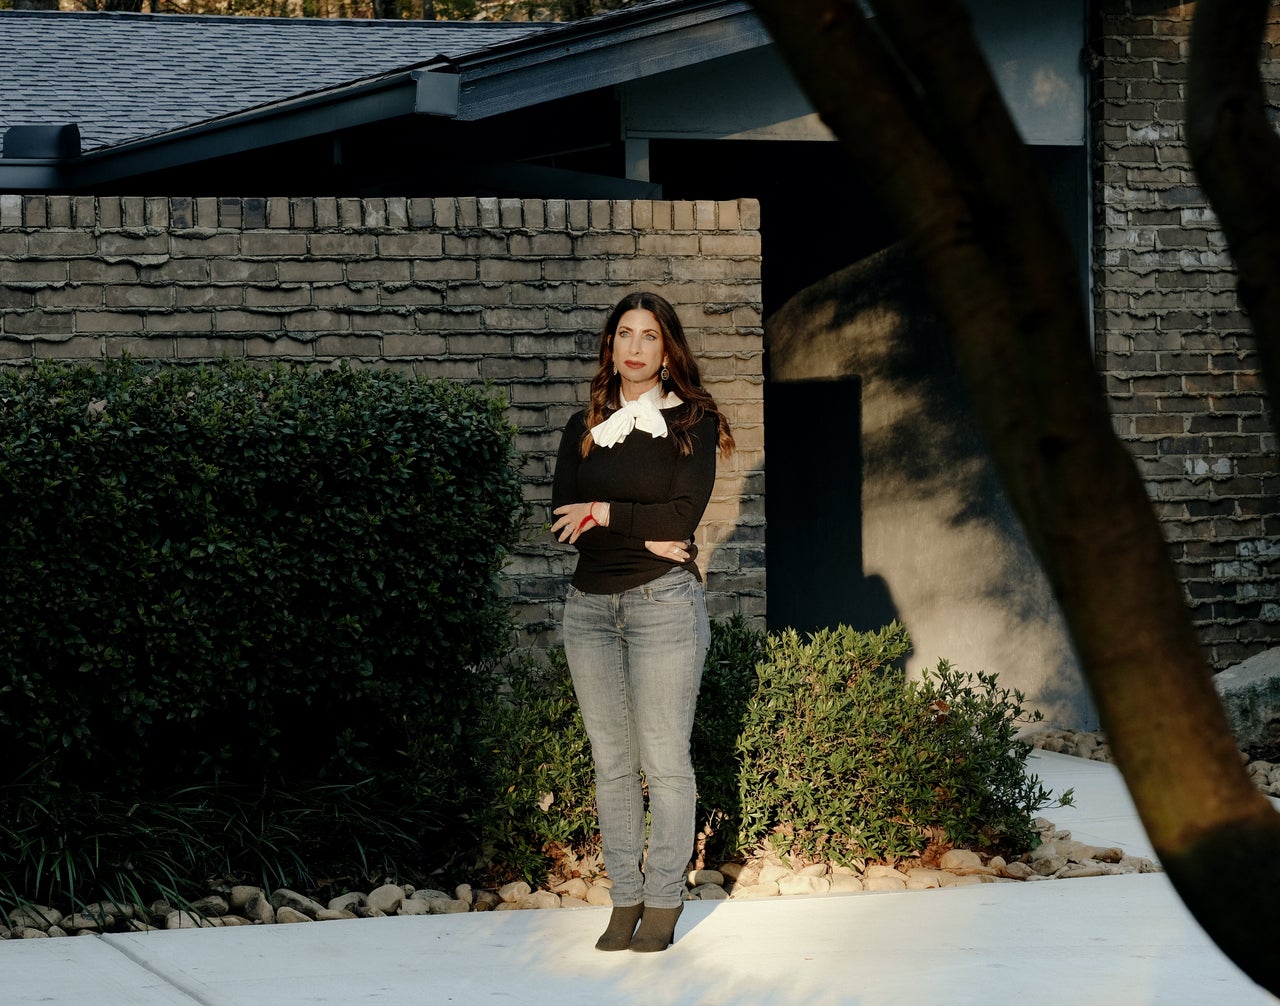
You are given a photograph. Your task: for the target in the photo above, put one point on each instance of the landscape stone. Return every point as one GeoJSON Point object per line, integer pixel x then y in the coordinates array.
{"type": "Point", "coordinates": [346, 902]}
{"type": "Point", "coordinates": [1250, 693]}
{"type": "Point", "coordinates": [514, 891]}
{"type": "Point", "coordinates": [285, 898]}
{"type": "Point", "coordinates": [959, 859]}
{"type": "Point", "coordinates": [386, 898]}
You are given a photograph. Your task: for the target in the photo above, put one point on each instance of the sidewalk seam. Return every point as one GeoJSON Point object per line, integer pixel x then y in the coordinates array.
{"type": "Point", "coordinates": [142, 962]}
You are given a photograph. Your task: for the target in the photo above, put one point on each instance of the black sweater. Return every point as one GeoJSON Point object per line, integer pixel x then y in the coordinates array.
{"type": "Point", "coordinates": [654, 494]}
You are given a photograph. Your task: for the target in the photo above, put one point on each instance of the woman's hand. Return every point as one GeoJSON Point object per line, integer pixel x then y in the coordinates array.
{"type": "Point", "coordinates": [574, 518]}
{"type": "Point", "coordinates": [672, 551]}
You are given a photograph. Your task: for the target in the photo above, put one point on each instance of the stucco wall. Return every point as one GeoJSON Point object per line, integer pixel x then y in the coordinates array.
{"type": "Point", "coordinates": [506, 292]}
{"type": "Point", "coordinates": [940, 548]}
{"type": "Point", "coordinates": [1173, 343]}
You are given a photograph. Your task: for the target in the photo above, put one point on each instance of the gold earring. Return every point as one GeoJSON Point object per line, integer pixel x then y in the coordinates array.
{"type": "Point", "coordinates": [666, 374]}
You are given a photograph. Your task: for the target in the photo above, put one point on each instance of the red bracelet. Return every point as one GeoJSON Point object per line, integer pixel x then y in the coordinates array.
{"type": "Point", "coordinates": [588, 519]}
{"type": "Point", "coordinates": [592, 511]}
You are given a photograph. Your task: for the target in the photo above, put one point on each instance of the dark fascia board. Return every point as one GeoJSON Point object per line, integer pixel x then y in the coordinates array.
{"type": "Point", "coordinates": [381, 98]}
{"type": "Point", "coordinates": [21, 175]}
{"type": "Point", "coordinates": [599, 52]}
{"type": "Point", "coordinates": [603, 52]}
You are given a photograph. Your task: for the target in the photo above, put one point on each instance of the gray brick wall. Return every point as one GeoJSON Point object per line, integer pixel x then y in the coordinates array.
{"type": "Point", "coordinates": [503, 291]}
{"type": "Point", "coordinates": [1173, 344]}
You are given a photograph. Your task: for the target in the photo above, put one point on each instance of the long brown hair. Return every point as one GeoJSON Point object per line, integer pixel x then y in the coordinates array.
{"type": "Point", "coordinates": [682, 369]}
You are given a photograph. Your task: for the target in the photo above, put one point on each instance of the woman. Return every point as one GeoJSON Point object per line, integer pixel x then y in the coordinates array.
{"type": "Point", "coordinates": [633, 476]}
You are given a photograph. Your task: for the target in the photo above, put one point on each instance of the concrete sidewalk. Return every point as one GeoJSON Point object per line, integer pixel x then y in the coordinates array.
{"type": "Point", "coordinates": [1109, 940]}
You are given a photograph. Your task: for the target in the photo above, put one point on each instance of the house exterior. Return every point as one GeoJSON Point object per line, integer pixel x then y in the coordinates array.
{"type": "Point", "coordinates": [465, 200]}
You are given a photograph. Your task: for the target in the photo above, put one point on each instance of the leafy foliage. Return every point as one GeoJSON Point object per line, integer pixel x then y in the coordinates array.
{"type": "Point", "coordinates": [728, 684]}
{"type": "Point", "coordinates": [842, 758]}
{"type": "Point", "coordinates": [819, 746]}
{"type": "Point", "coordinates": [538, 798]}
{"type": "Point", "coordinates": [74, 846]}
{"type": "Point", "coordinates": [241, 575]}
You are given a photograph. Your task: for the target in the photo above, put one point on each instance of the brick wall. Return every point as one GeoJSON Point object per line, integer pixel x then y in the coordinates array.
{"type": "Point", "coordinates": [1173, 343]}
{"type": "Point", "coordinates": [505, 291]}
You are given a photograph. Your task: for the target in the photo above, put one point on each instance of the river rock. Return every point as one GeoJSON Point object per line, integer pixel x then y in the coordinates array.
{"type": "Point", "coordinates": [182, 919]}
{"type": "Point", "coordinates": [960, 859]}
{"type": "Point", "coordinates": [514, 892]}
{"type": "Point", "coordinates": [802, 884]}
{"type": "Point", "coordinates": [34, 917]}
{"type": "Point", "coordinates": [259, 909]}
{"type": "Point", "coordinates": [388, 898]}
{"type": "Point", "coordinates": [214, 905]}
{"type": "Point", "coordinates": [599, 895]}
{"type": "Point", "coordinates": [577, 887]}
{"type": "Point", "coordinates": [284, 898]}
{"type": "Point", "coordinates": [92, 922]}
{"type": "Point", "coordinates": [239, 895]}
{"type": "Point", "coordinates": [347, 902]}
{"type": "Point", "coordinates": [922, 879]}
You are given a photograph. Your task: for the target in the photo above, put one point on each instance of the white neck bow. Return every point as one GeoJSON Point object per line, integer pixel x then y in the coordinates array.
{"type": "Point", "coordinates": [645, 412]}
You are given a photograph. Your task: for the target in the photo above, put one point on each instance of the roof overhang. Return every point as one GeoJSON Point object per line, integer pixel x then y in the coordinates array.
{"type": "Point", "coordinates": [577, 58]}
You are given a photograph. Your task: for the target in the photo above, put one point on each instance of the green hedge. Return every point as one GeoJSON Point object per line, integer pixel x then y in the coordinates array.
{"type": "Point", "coordinates": [228, 573]}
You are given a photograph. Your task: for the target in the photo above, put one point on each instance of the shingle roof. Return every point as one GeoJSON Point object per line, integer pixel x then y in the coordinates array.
{"type": "Point", "coordinates": [122, 76]}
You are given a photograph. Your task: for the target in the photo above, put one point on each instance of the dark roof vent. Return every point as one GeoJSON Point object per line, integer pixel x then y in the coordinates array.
{"type": "Point", "coordinates": [42, 142]}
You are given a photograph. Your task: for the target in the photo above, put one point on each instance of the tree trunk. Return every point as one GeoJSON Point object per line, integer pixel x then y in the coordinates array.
{"type": "Point", "coordinates": [915, 105]}
{"type": "Point", "coordinates": [1236, 155]}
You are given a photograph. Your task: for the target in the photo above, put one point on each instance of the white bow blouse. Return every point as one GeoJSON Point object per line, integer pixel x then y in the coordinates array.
{"type": "Point", "coordinates": [644, 413]}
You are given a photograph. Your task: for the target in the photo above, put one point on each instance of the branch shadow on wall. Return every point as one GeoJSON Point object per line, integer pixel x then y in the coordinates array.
{"type": "Point", "coordinates": [883, 501]}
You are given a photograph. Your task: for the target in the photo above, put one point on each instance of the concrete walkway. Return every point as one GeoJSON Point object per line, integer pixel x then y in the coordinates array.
{"type": "Point", "coordinates": [1109, 940]}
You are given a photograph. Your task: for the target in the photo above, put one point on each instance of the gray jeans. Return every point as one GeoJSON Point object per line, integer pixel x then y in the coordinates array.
{"type": "Point", "coordinates": [636, 659]}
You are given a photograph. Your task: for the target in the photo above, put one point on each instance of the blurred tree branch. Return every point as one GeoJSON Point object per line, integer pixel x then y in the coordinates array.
{"type": "Point", "coordinates": [911, 98]}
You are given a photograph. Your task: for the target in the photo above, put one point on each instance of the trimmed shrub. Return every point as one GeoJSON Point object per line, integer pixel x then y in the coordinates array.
{"type": "Point", "coordinates": [246, 575]}
{"type": "Point", "coordinates": [842, 758]}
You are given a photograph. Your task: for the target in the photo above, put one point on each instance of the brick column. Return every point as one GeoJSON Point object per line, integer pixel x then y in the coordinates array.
{"type": "Point", "coordinates": [1173, 344]}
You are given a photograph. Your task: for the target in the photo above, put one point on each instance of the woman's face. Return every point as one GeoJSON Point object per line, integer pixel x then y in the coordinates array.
{"type": "Point", "coordinates": [638, 352]}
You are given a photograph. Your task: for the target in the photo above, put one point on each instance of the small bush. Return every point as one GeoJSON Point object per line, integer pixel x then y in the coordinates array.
{"type": "Point", "coordinates": [842, 758]}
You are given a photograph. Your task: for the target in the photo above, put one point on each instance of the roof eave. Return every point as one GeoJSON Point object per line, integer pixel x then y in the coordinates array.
{"type": "Point", "coordinates": [514, 76]}
{"type": "Point", "coordinates": [317, 114]}
{"type": "Point", "coordinates": [24, 175]}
